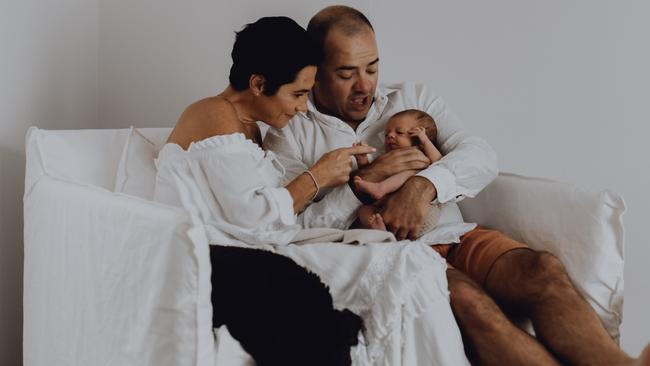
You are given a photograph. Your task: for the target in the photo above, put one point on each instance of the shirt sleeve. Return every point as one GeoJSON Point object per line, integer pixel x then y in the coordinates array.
{"type": "Point", "coordinates": [227, 191]}
{"type": "Point", "coordinates": [335, 208]}
{"type": "Point", "coordinates": [468, 164]}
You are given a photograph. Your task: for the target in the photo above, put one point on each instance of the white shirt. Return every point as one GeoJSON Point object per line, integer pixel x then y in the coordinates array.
{"type": "Point", "coordinates": [467, 166]}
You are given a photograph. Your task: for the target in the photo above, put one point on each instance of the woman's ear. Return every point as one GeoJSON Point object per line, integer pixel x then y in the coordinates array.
{"type": "Point", "coordinates": [256, 84]}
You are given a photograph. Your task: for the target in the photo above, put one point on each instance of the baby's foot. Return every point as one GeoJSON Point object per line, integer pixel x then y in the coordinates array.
{"type": "Point", "coordinates": [376, 222]}
{"type": "Point", "coordinates": [373, 189]}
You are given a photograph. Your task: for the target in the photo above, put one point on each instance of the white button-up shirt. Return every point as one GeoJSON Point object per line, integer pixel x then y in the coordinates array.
{"type": "Point", "coordinates": [467, 166]}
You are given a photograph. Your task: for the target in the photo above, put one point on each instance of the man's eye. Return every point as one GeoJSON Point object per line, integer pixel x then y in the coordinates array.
{"type": "Point", "coordinates": [371, 71]}
{"type": "Point", "coordinates": [345, 76]}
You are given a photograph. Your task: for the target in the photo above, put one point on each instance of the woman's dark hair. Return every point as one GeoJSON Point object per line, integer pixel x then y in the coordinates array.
{"type": "Point", "coordinates": [274, 47]}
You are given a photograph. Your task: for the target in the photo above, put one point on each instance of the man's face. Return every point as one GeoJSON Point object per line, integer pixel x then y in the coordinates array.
{"type": "Point", "coordinates": [347, 79]}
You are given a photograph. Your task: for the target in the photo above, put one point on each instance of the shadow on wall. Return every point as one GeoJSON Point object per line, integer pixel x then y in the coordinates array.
{"type": "Point", "coordinates": [12, 172]}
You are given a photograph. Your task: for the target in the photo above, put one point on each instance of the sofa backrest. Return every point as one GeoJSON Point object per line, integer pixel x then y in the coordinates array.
{"type": "Point", "coordinates": [81, 156]}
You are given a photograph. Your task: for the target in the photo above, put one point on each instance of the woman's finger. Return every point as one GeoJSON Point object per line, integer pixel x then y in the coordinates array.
{"type": "Point", "coordinates": [357, 150]}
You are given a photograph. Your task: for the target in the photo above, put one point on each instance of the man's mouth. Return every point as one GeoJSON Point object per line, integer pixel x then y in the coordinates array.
{"type": "Point", "coordinates": [359, 102]}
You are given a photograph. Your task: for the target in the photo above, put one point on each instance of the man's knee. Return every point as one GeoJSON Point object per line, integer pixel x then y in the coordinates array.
{"type": "Point", "coordinates": [472, 306]}
{"type": "Point", "coordinates": [544, 275]}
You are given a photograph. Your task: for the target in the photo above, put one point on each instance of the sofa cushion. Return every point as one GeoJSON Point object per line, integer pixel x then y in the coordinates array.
{"type": "Point", "coordinates": [582, 228]}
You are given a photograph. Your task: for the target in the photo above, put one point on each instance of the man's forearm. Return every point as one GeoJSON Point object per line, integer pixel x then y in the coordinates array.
{"type": "Point", "coordinates": [422, 187]}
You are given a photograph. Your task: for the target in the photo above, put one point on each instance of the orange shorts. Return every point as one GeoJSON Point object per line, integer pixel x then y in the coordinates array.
{"type": "Point", "coordinates": [477, 251]}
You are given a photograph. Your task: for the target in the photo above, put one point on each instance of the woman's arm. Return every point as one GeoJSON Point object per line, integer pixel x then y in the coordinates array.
{"type": "Point", "coordinates": [331, 170]}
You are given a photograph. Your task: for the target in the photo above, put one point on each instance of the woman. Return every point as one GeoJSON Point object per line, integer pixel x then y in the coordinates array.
{"type": "Point", "coordinates": [214, 166]}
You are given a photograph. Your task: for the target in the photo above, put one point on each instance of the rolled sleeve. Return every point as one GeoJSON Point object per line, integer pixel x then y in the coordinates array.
{"type": "Point", "coordinates": [443, 180]}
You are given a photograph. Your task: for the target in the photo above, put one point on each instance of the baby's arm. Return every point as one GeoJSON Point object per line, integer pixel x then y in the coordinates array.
{"type": "Point", "coordinates": [428, 147]}
{"type": "Point", "coordinates": [362, 159]}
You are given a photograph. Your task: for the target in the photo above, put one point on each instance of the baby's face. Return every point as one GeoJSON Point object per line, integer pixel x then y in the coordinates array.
{"type": "Point", "coordinates": [397, 132]}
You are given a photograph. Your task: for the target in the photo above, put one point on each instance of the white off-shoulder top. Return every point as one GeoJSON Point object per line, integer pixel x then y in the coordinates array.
{"type": "Point", "coordinates": [232, 185]}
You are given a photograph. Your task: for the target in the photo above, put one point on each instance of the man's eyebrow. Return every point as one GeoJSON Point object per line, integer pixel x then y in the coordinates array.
{"type": "Point", "coordinates": [347, 68]}
{"type": "Point", "coordinates": [301, 91]}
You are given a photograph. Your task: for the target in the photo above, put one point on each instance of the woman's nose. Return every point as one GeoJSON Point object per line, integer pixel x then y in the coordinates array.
{"type": "Point", "coordinates": [302, 106]}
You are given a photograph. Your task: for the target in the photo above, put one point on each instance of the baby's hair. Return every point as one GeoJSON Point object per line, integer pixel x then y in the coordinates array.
{"type": "Point", "coordinates": [423, 119]}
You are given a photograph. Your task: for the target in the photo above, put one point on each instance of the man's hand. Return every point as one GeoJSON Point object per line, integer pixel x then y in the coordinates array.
{"type": "Point", "coordinates": [406, 210]}
{"type": "Point", "coordinates": [393, 162]}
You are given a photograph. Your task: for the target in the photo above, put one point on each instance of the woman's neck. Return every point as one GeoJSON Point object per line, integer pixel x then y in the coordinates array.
{"type": "Point", "coordinates": [242, 102]}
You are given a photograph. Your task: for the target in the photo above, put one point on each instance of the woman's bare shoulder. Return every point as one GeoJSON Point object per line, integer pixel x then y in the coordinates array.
{"type": "Point", "coordinates": [206, 118]}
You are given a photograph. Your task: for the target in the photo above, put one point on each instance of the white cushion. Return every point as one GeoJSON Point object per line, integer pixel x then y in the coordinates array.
{"type": "Point", "coordinates": [81, 156]}
{"type": "Point", "coordinates": [136, 174]}
{"type": "Point", "coordinates": [582, 228]}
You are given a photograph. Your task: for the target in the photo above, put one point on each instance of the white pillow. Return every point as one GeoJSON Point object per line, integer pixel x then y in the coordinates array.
{"type": "Point", "coordinates": [81, 156]}
{"type": "Point", "coordinates": [582, 228]}
{"type": "Point", "coordinates": [136, 173]}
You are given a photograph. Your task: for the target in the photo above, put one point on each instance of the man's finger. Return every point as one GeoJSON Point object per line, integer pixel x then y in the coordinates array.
{"type": "Point", "coordinates": [413, 234]}
{"type": "Point", "coordinates": [402, 234]}
{"type": "Point", "coordinates": [416, 164]}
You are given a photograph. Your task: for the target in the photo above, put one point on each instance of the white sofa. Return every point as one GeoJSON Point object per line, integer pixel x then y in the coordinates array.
{"type": "Point", "coordinates": [112, 278]}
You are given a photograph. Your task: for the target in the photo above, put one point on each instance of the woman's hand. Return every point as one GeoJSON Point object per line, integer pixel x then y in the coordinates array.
{"type": "Point", "coordinates": [362, 159]}
{"type": "Point", "coordinates": [334, 168]}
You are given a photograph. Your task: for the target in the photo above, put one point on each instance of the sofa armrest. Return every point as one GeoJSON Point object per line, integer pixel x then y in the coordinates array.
{"type": "Point", "coordinates": [113, 278]}
{"type": "Point", "coordinates": [582, 228]}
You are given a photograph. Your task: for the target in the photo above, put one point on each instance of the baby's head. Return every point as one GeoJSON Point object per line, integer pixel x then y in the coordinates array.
{"type": "Point", "coordinates": [399, 125]}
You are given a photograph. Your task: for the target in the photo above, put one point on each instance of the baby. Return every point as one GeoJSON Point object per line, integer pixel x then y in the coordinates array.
{"type": "Point", "coordinates": [410, 127]}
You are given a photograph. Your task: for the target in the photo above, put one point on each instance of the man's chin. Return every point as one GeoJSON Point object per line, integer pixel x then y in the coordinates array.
{"type": "Point", "coordinates": [357, 116]}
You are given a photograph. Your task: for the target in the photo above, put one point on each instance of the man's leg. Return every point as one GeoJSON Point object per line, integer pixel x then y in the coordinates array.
{"type": "Point", "coordinates": [489, 337]}
{"type": "Point", "coordinates": [537, 284]}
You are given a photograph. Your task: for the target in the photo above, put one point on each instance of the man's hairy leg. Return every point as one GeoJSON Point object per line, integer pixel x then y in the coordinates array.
{"type": "Point", "coordinates": [537, 285]}
{"type": "Point", "coordinates": [489, 337]}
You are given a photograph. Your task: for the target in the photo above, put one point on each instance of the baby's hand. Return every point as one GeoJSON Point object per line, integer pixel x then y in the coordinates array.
{"type": "Point", "coordinates": [362, 159]}
{"type": "Point", "coordinates": [419, 131]}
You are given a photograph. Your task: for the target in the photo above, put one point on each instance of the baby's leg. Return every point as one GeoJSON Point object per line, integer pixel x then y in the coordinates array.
{"type": "Point", "coordinates": [380, 189]}
{"type": "Point", "coordinates": [370, 218]}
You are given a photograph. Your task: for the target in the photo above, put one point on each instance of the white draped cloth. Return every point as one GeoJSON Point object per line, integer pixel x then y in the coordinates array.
{"type": "Point", "coordinates": [398, 288]}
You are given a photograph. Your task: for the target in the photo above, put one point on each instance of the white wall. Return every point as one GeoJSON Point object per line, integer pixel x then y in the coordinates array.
{"type": "Point", "coordinates": [157, 57]}
{"type": "Point", "coordinates": [48, 78]}
{"type": "Point", "coordinates": [560, 89]}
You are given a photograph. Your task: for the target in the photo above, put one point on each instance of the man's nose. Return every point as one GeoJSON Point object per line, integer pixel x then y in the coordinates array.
{"type": "Point", "coordinates": [363, 85]}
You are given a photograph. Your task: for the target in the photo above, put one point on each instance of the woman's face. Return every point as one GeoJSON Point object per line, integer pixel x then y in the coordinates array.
{"type": "Point", "coordinates": [290, 99]}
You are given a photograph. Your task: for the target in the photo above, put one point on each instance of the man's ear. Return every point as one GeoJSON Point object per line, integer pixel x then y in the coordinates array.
{"type": "Point", "coordinates": [256, 84]}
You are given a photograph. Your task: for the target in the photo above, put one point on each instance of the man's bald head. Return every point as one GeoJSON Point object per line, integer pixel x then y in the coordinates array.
{"type": "Point", "coordinates": [342, 18]}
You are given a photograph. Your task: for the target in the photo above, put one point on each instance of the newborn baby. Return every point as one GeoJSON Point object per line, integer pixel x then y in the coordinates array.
{"type": "Point", "coordinates": [408, 128]}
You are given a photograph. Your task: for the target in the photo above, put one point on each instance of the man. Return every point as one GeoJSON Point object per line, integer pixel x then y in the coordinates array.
{"type": "Point", "coordinates": [486, 266]}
